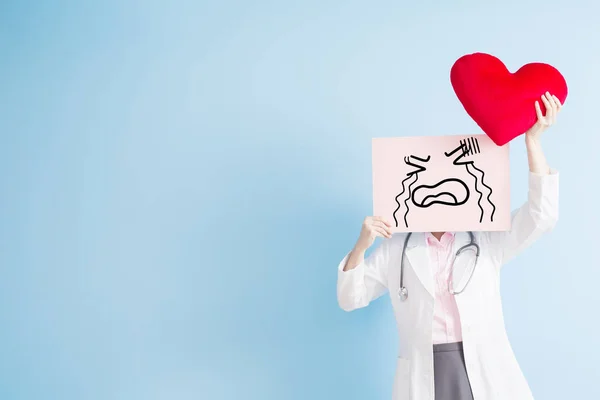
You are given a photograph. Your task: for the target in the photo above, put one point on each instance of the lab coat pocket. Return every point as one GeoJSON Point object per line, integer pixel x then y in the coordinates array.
{"type": "Point", "coordinates": [402, 379]}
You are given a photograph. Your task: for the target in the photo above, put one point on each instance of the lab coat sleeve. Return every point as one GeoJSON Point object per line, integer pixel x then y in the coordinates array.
{"type": "Point", "coordinates": [534, 218]}
{"type": "Point", "coordinates": [357, 287]}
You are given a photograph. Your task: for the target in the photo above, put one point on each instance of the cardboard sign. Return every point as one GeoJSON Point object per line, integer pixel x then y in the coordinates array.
{"type": "Point", "coordinates": [441, 183]}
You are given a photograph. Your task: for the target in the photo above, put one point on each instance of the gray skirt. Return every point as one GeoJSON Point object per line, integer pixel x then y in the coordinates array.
{"type": "Point", "coordinates": [450, 373]}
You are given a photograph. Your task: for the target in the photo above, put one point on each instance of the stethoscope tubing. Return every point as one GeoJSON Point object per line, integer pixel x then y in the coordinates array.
{"type": "Point", "coordinates": [403, 291]}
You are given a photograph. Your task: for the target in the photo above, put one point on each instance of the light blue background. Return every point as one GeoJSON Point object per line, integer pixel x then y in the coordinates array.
{"type": "Point", "coordinates": [180, 181]}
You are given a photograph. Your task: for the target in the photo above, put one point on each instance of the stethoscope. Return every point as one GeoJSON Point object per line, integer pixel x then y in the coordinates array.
{"type": "Point", "coordinates": [403, 292]}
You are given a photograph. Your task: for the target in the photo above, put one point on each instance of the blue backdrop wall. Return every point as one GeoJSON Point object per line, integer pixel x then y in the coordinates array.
{"type": "Point", "coordinates": [179, 181]}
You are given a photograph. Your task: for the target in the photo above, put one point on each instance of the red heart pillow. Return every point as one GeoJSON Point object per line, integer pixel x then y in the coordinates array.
{"type": "Point", "coordinates": [501, 102]}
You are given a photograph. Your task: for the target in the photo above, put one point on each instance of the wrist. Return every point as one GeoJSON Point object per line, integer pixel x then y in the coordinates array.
{"type": "Point", "coordinates": [532, 140]}
{"type": "Point", "coordinates": [359, 248]}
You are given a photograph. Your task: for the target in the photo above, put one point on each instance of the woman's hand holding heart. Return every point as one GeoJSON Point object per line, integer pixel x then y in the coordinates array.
{"type": "Point", "coordinates": [553, 107]}
{"type": "Point", "coordinates": [535, 155]}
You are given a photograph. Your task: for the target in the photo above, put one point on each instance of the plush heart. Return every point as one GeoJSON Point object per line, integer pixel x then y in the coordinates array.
{"type": "Point", "coordinates": [500, 102]}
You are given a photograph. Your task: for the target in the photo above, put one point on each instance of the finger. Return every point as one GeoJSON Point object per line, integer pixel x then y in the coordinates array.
{"type": "Point", "coordinates": [548, 106]}
{"type": "Point", "coordinates": [381, 232]}
{"type": "Point", "coordinates": [558, 107]}
{"type": "Point", "coordinates": [381, 224]}
{"type": "Point", "coordinates": [557, 101]}
{"type": "Point", "coordinates": [385, 221]}
{"type": "Point", "coordinates": [377, 231]}
{"type": "Point", "coordinates": [538, 111]}
{"type": "Point", "coordinates": [554, 107]}
{"type": "Point", "coordinates": [554, 101]}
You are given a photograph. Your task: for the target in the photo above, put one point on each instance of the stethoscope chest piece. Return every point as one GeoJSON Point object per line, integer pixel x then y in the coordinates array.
{"type": "Point", "coordinates": [403, 293]}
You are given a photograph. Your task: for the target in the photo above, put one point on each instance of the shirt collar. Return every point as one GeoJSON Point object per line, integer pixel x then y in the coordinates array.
{"type": "Point", "coordinates": [446, 239]}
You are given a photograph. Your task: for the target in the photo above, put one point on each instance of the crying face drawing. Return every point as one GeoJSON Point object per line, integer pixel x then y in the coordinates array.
{"type": "Point", "coordinates": [461, 181]}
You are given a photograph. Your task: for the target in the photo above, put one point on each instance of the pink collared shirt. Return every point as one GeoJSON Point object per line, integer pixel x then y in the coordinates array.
{"type": "Point", "coordinates": [446, 319]}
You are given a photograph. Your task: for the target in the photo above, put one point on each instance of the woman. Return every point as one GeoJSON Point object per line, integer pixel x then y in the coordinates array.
{"type": "Point", "coordinates": [453, 346]}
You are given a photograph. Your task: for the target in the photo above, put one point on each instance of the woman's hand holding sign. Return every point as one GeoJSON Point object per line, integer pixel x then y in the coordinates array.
{"type": "Point", "coordinates": [372, 227]}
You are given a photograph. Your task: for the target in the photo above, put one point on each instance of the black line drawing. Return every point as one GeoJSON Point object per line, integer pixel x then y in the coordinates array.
{"type": "Point", "coordinates": [471, 147]}
{"type": "Point", "coordinates": [401, 193]}
{"type": "Point", "coordinates": [423, 204]}
{"type": "Point", "coordinates": [489, 194]}
{"type": "Point", "coordinates": [420, 168]}
{"type": "Point", "coordinates": [422, 159]}
{"type": "Point", "coordinates": [409, 175]}
{"type": "Point", "coordinates": [406, 201]}
{"type": "Point", "coordinates": [467, 147]}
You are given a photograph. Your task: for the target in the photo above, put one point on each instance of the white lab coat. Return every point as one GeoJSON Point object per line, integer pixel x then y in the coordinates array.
{"type": "Point", "coordinates": [492, 368]}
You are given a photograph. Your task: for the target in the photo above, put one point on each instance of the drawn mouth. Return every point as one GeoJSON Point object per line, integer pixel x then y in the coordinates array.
{"type": "Point", "coordinates": [448, 192]}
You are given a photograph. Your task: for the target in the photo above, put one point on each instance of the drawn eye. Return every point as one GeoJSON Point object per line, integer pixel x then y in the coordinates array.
{"type": "Point", "coordinates": [419, 168]}
{"type": "Point", "coordinates": [421, 159]}
{"type": "Point", "coordinates": [466, 147]}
